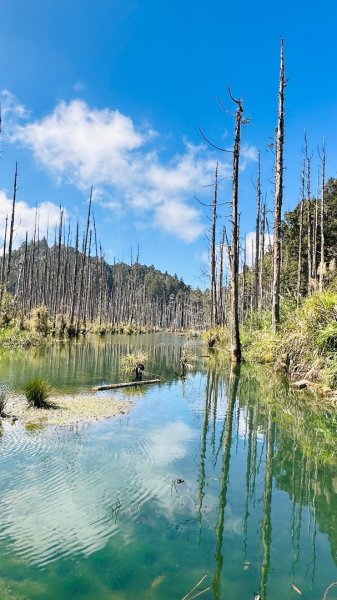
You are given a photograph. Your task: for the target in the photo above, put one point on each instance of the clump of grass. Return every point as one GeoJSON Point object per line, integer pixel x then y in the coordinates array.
{"type": "Point", "coordinates": [216, 335]}
{"type": "Point", "coordinates": [130, 361]}
{"type": "Point", "coordinates": [37, 391]}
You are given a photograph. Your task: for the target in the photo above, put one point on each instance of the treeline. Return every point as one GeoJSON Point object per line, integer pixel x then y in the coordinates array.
{"type": "Point", "coordinates": [70, 288]}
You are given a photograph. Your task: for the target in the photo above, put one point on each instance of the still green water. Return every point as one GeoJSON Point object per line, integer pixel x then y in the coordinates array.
{"type": "Point", "coordinates": [96, 511]}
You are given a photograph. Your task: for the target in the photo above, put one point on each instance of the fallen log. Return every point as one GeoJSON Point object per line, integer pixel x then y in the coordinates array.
{"type": "Point", "coordinates": [114, 386]}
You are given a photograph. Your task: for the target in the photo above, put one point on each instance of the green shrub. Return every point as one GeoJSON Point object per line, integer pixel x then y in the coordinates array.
{"type": "Point", "coordinates": [7, 309]}
{"type": "Point", "coordinates": [327, 337]}
{"type": "Point", "coordinates": [40, 320]}
{"type": "Point", "coordinates": [37, 391]}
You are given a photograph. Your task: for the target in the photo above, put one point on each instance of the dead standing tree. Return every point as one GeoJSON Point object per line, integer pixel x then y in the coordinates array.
{"type": "Point", "coordinates": [278, 197]}
{"type": "Point", "coordinates": [299, 263]}
{"type": "Point", "coordinates": [236, 355]}
{"type": "Point", "coordinates": [11, 231]}
{"type": "Point", "coordinates": [236, 342]}
{"type": "Point", "coordinates": [257, 237]}
{"type": "Point", "coordinates": [214, 297]}
{"type": "Point", "coordinates": [322, 262]}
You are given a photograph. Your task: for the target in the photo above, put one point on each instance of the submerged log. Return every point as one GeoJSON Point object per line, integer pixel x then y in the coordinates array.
{"type": "Point", "coordinates": [114, 386]}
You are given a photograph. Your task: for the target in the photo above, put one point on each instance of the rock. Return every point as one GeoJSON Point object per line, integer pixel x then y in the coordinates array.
{"type": "Point", "coordinates": [301, 384]}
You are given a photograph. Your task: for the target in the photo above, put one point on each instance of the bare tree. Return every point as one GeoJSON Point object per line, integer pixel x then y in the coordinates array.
{"type": "Point", "coordinates": [309, 244]}
{"type": "Point", "coordinates": [322, 262]}
{"type": "Point", "coordinates": [257, 236]}
{"type": "Point", "coordinates": [214, 298]}
{"type": "Point", "coordinates": [299, 262]}
{"type": "Point", "coordinates": [11, 230]}
{"type": "Point", "coordinates": [236, 355]}
{"type": "Point", "coordinates": [278, 197]}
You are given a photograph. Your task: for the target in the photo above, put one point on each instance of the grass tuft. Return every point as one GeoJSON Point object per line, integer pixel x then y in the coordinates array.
{"type": "Point", "coordinates": [37, 391]}
{"type": "Point", "coordinates": [129, 362]}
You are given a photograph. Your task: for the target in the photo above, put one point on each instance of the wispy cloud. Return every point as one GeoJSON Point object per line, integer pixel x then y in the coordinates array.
{"type": "Point", "coordinates": [85, 146]}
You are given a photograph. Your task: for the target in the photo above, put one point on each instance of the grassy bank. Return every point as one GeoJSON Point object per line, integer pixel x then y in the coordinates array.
{"type": "Point", "coordinates": [304, 346]}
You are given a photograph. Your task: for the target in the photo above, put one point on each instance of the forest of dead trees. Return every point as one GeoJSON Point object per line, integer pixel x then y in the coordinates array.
{"type": "Point", "coordinates": [64, 277]}
{"type": "Point", "coordinates": [69, 285]}
{"type": "Point", "coordinates": [291, 258]}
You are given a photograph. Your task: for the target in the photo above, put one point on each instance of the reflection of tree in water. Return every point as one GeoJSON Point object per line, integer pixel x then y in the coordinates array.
{"type": "Point", "coordinates": [228, 425]}
{"type": "Point", "coordinates": [93, 360]}
{"type": "Point", "coordinates": [280, 436]}
{"type": "Point", "coordinates": [266, 537]}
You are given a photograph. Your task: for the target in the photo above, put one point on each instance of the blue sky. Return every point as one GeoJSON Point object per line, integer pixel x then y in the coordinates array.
{"type": "Point", "coordinates": [112, 93]}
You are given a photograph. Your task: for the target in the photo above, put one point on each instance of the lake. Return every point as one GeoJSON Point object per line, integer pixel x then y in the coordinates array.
{"type": "Point", "coordinates": [225, 474]}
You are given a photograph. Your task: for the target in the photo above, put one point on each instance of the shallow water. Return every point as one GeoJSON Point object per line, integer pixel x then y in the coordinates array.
{"type": "Point", "coordinates": [97, 511]}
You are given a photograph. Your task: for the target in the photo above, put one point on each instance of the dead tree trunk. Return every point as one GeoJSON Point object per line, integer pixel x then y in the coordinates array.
{"type": "Point", "coordinates": [322, 263]}
{"type": "Point", "coordinates": [214, 299]}
{"type": "Point", "coordinates": [278, 198]}
{"type": "Point", "coordinates": [299, 263]}
{"type": "Point", "coordinates": [257, 237]}
{"type": "Point", "coordinates": [220, 280]}
{"type": "Point", "coordinates": [80, 297]}
{"type": "Point", "coordinates": [262, 231]}
{"type": "Point", "coordinates": [236, 343]}
{"type": "Point", "coordinates": [11, 231]}
{"type": "Point", "coordinates": [74, 289]}
{"type": "Point", "coordinates": [309, 249]}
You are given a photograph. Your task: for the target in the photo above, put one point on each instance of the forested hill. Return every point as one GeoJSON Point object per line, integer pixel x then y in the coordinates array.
{"type": "Point", "coordinates": [79, 289]}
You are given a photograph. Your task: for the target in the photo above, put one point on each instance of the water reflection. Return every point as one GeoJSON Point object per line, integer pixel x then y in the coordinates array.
{"type": "Point", "coordinates": [91, 361]}
{"type": "Point", "coordinates": [224, 480]}
{"type": "Point", "coordinates": [273, 436]}
{"type": "Point", "coordinates": [224, 472]}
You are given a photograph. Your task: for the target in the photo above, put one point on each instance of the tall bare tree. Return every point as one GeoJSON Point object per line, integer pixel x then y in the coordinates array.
{"type": "Point", "coordinates": [322, 262]}
{"type": "Point", "coordinates": [257, 236]}
{"type": "Point", "coordinates": [214, 298]}
{"type": "Point", "coordinates": [279, 166]}
{"type": "Point", "coordinates": [11, 230]}
{"type": "Point", "coordinates": [236, 355]}
{"type": "Point", "coordinates": [299, 262]}
{"type": "Point", "coordinates": [309, 236]}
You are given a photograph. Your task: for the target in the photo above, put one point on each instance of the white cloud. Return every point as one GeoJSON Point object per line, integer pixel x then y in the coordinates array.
{"type": "Point", "coordinates": [85, 146]}
{"type": "Point", "coordinates": [250, 245]}
{"type": "Point", "coordinates": [179, 218]}
{"type": "Point", "coordinates": [134, 474]}
{"type": "Point", "coordinates": [249, 153]}
{"type": "Point", "coordinates": [47, 215]}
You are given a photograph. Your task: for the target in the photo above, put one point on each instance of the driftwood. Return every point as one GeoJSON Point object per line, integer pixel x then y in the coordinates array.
{"type": "Point", "coordinates": [114, 386]}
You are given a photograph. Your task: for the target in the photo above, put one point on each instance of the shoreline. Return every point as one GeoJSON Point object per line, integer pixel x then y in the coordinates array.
{"type": "Point", "coordinates": [65, 410]}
